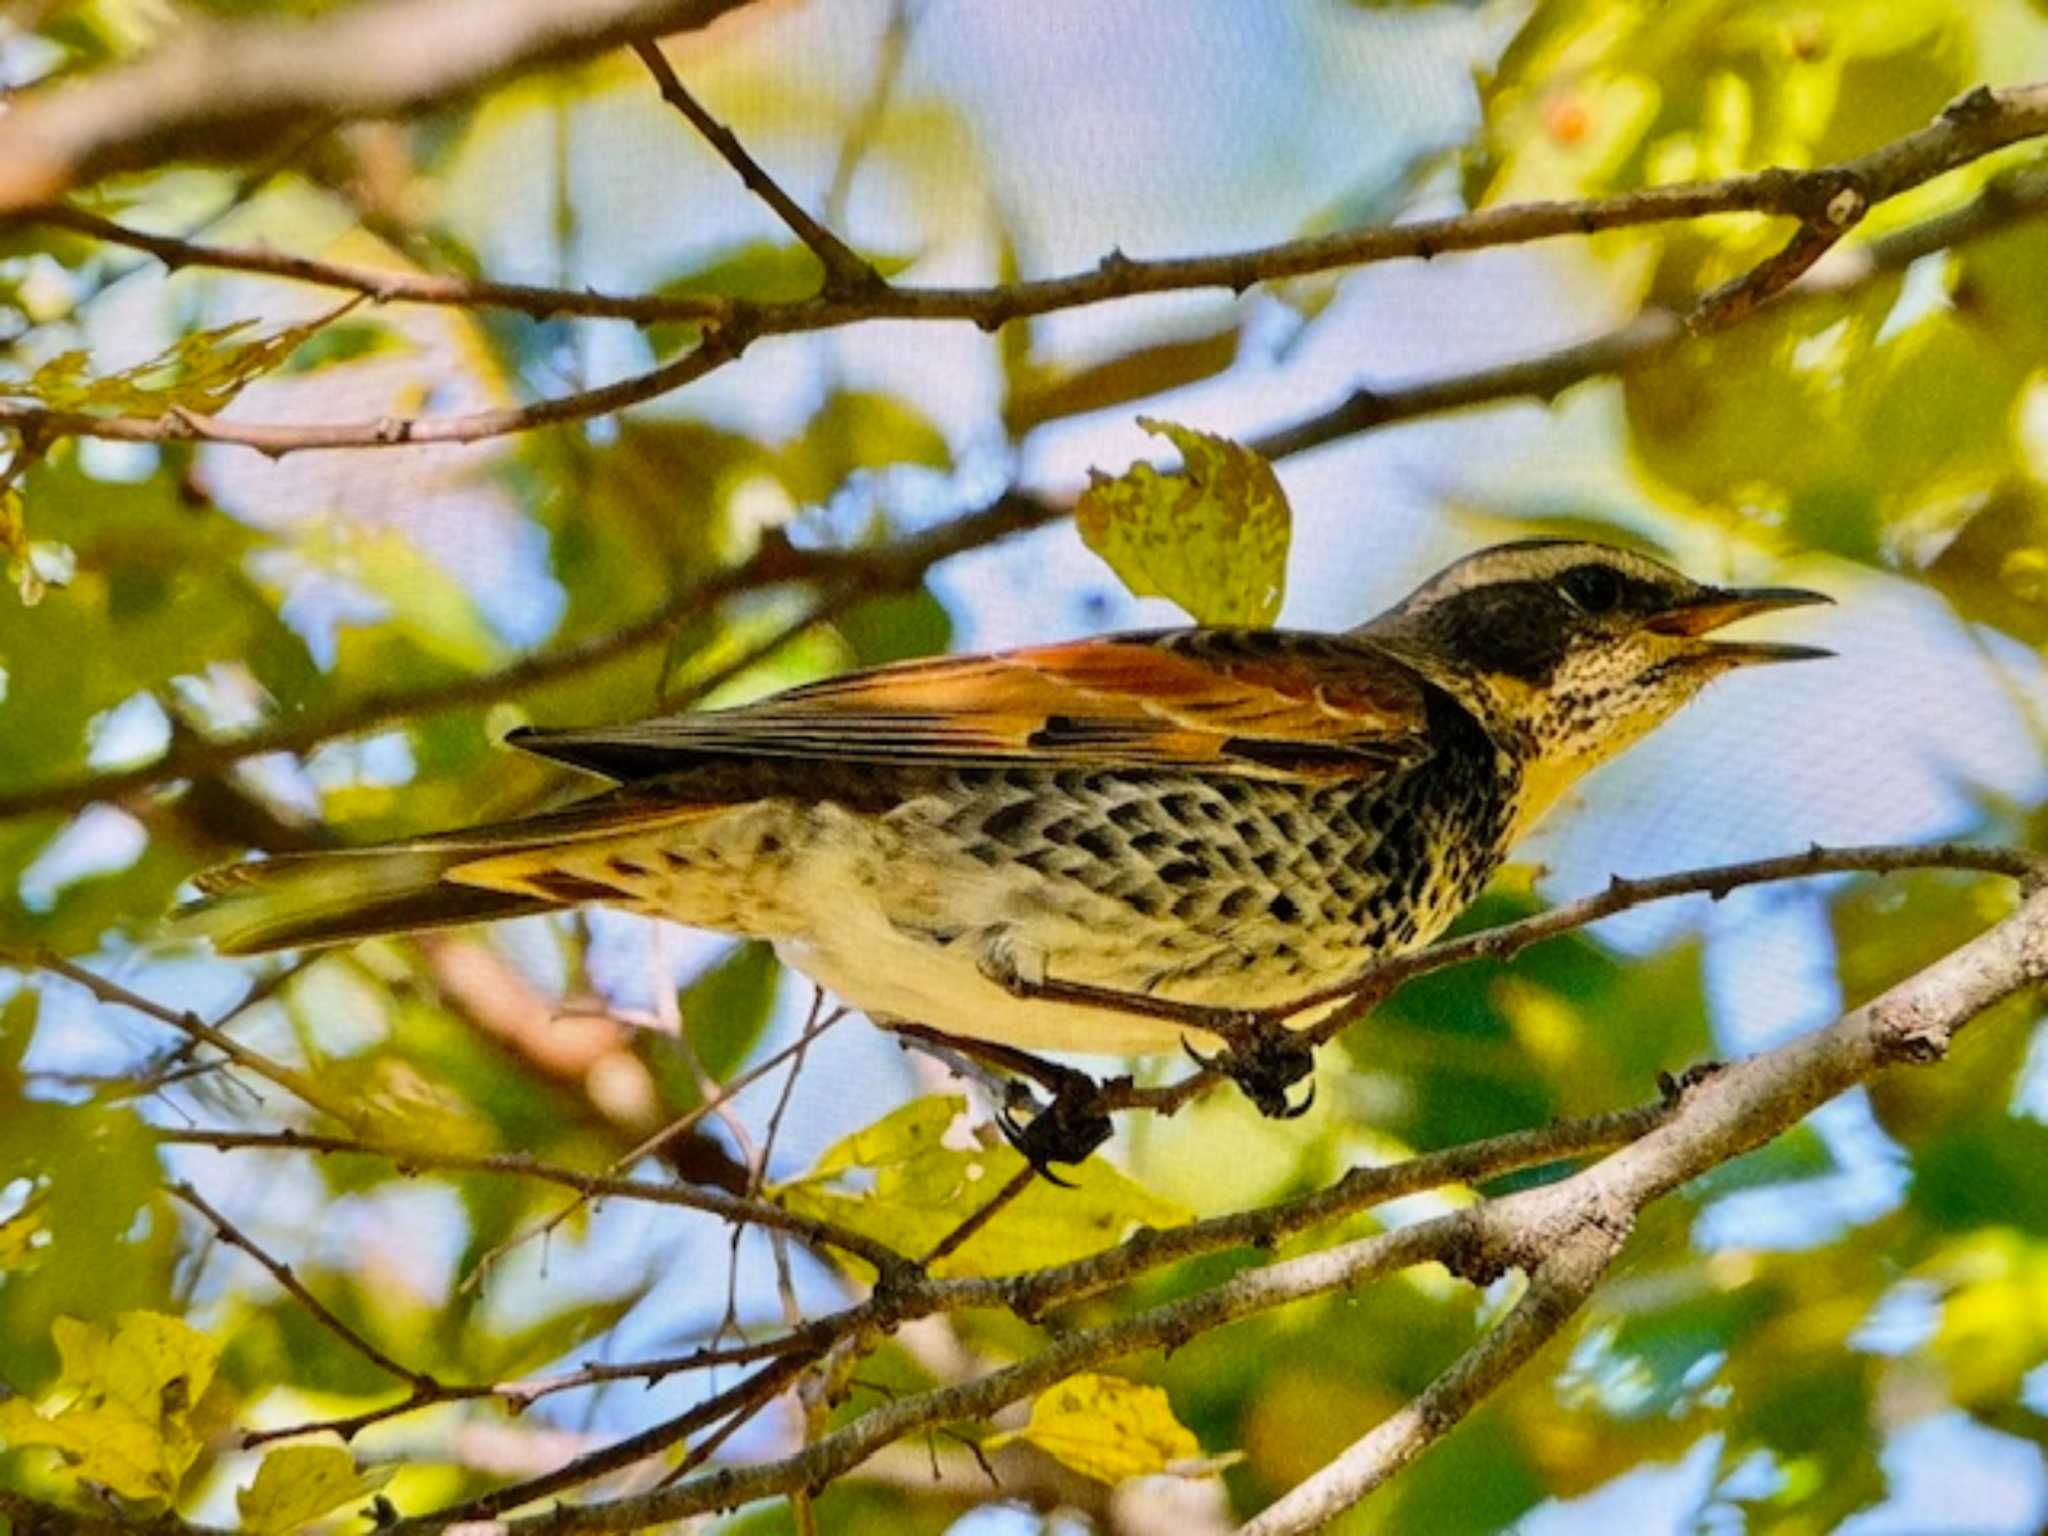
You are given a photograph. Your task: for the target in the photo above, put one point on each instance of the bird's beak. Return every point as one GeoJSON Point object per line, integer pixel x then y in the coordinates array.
{"type": "Point", "coordinates": [1713, 608]}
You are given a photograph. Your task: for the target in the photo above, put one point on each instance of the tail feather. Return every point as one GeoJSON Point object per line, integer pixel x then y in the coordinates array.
{"type": "Point", "coordinates": [310, 899]}
{"type": "Point", "coordinates": [307, 899]}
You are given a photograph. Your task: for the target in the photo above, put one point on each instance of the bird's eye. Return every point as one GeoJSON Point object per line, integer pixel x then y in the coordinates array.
{"type": "Point", "coordinates": [1593, 588]}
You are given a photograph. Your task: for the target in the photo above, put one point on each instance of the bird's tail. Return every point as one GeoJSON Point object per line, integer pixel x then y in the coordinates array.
{"type": "Point", "coordinates": [308, 899]}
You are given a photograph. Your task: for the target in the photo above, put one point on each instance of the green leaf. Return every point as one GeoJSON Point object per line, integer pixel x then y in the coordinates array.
{"type": "Point", "coordinates": [899, 1182]}
{"type": "Point", "coordinates": [757, 272]}
{"type": "Point", "coordinates": [1106, 1428]}
{"type": "Point", "coordinates": [107, 1242]}
{"type": "Point", "coordinates": [344, 343]}
{"type": "Point", "coordinates": [854, 430]}
{"type": "Point", "coordinates": [896, 627]}
{"type": "Point", "coordinates": [298, 1483]}
{"type": "Point", "coordinates": [725, 1009]}
{"type": "Point", "coordinates": [1212, 536]}
{"type": "Point", "coordinates": [202, 371]}
{"type": "Point", "coordinates": [1039, 395]}
{"type": "Point", "coordinates": [164, 589]}
{"type": "Point", "coordinates": [17, 1029]}
{"type": "Point", "coordinates": [128, 1423]}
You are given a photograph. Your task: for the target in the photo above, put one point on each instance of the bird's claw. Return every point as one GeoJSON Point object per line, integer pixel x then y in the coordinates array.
{"type": "Point", "coordinates": [1068, 1130]}
{"type": "Point", "coordinates": [1264, 1065]}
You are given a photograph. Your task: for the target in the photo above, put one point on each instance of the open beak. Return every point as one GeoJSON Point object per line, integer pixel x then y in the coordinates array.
{"type": "Point", "coordinates": [1715, 607]}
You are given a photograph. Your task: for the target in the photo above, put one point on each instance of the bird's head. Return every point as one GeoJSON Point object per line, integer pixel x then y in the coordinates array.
{"type": "Point", "coordinates": [1576, 649]}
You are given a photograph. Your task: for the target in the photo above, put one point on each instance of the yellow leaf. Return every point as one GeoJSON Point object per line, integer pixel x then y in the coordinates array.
{"type": "Point", "coordinates": [1212, 535]}
{"type": "Point", "coordinates": [14, 555]}
{"type": "Point", "coordinates": [202, 371]}
{"type": "Point", "coordinates": [1107, 1428]}
{"type": "Point", "coordinates": [898, 1182]}
{"type": "Point", "coordinates": [298, 1483]}
{"type": "Point", "coordinates": [18, 1246]}
{"type": "Point", "coordinates": [128, 1421]}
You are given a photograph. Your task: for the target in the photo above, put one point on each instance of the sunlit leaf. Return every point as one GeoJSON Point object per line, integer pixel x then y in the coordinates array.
{"type": "Point", "coordinates": [22, 1237]}
{"type": "Point", "coordinates": [1106, 1428]}
{"type": "Point", "coordinates": [202, 371]}
{"type": "Point", "coordinates": [1212, 536]}
{"type": "Point", "coordinates": [125, 1415]}
{"type": "Point", "coordinates": [898, 1180]}
{"type": "Point", "coordinates": [1994, 1314]}
{"type": "Point", "coordinates": [300, 1483]}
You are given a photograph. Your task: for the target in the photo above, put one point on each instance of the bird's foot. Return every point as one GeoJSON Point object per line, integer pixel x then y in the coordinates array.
{"type": "Point", "coordinates": [1068, 1130]}
{"type": "Point", "coordinates": [1264, 1059]}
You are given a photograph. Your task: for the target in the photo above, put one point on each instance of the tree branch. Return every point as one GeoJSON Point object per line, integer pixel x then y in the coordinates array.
{"type": "Point", "coordinates": [1729, 1113]}
{"type": "Point", "coordinates": [854, 573]}
{"type": "Point", "coordinates": [1826, 201]}
{"type": "Point", "coordinates": [1562, 1233]}
{"type": "Point", "coordinates": [228, 91]}
{"type": "Point", "coordinates": [1644, 339]}
{"type": "Point", "coordinates": [1656, 333]}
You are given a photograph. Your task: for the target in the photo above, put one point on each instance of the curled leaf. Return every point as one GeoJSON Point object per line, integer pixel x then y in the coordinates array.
{"type": "Point", "coordinates": [1212, 536]}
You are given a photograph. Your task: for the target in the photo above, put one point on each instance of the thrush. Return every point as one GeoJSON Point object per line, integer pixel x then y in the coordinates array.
{"type": "Point", "coordinates": [1026, 848]}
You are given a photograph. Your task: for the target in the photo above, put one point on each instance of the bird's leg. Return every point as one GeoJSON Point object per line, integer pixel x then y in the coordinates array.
{"type": "Point", "coordinates": [1067, 1130]}
{"type": "Point", "coordinates": [1265, 1060]}
{"type": "Point", "coordinates": [1261, 1054]}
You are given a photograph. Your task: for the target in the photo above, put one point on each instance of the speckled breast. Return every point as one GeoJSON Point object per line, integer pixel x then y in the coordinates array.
{"type": "Point", "coordinates": [1232, 890]}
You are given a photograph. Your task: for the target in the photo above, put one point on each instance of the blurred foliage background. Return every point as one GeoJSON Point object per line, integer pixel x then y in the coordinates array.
{"type": "Point", "coordinates": [1844, 1331]}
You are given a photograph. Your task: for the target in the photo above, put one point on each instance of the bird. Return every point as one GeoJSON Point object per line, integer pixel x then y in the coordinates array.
{"type": "Point", "coordinates": [1075, 847]}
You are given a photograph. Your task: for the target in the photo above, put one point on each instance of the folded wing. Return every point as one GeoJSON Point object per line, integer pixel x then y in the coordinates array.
{"type": "Point", "coordinates": [1252, 703]}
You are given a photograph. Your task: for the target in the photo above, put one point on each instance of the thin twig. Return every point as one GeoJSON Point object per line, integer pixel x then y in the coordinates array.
{"type": "Point", "coordinates": [762, 1386]}
{"type": "Point", "coordinates": [281, 1272]}
{"type": "Point", "coordinates": [982, 1215]}
{"type": "Point", "coordinates": [846, 273]}
{"type": "Point", "coordinates": [301, 1085]}
{"type": "Point", "coordinates": [735, 1208]}
{"type": "Point", "coordinates": [609, 1184]}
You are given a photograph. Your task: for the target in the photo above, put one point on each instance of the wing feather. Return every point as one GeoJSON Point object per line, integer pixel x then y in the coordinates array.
{"type": "Point", "coordinates": [1263, 704]}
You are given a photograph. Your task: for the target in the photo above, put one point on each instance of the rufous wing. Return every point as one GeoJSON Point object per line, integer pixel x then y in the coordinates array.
{"type": "Point", "coordinates": [1254, 703]}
